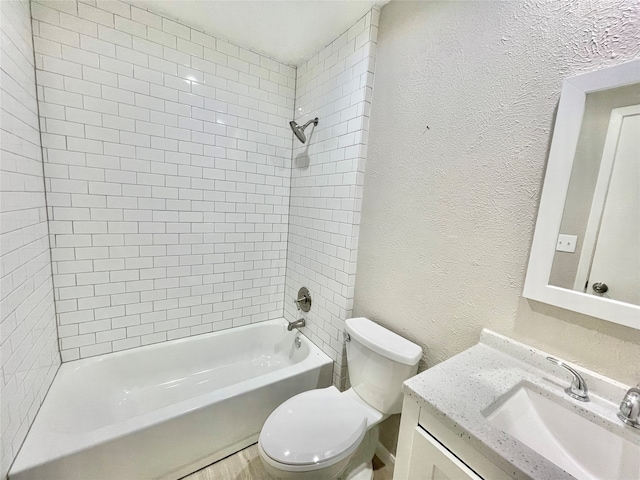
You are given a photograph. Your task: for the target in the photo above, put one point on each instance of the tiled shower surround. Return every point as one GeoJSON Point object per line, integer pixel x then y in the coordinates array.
{"type": "Point", "coordinates": [28, 347]}
{"type": "Point", "coordinates": [179, 202]}
{"type": "Point", "coordinates": [326, 184]}
{"type": "Point", "coordinates": [167, 167]}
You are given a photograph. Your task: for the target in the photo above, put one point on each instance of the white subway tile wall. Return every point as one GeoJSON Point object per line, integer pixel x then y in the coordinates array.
{"type": "Point", "coordinates": [168, 168]}
{"type": "Point", "coordinates": [326, 185]}
{"type": "Point", "coordinates": [28, 347]}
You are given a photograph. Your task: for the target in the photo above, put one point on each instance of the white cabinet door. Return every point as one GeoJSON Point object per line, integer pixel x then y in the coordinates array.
{"type": "Point", "coordinates": [431, 461]}
{"type": "Point", "coordinates": [616, 256]}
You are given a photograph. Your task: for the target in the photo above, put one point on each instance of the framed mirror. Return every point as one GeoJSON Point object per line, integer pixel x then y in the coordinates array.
{"type": "Point", "coordinates": [585, 254]}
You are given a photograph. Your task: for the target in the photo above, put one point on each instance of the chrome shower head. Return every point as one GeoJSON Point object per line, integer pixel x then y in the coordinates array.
{"type": "Point", "coordinates": [299, 130]}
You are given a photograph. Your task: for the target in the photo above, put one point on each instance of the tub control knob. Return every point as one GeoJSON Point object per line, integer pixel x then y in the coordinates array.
{"type": "Point", "coordinates": [303, 302]}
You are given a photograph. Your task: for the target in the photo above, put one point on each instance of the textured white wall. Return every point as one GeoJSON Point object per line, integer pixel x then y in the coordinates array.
{"type": "Point", "coordinates": [29, 355]}
{"type": "Point", "coordinates": [167, 159]}
{"type": "Point", "coordinates": [462, 113]}
{"type": "Point", "coordinates": [326, 184]}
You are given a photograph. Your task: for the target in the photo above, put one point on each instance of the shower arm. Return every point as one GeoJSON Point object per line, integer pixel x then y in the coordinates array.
{"type": "Point", "coordinates": [314, 121]}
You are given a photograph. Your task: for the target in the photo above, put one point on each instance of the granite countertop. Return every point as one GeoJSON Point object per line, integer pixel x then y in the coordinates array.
{"type": "Point", "coordinates": [457, 391]}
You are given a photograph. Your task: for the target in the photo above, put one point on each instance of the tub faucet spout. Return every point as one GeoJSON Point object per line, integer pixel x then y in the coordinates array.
{"type": "Point", "coordinates": [297, 324]}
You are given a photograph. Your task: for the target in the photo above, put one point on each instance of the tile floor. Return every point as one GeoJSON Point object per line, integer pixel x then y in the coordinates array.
{"type": "Point", "coordinates": [246, 465]}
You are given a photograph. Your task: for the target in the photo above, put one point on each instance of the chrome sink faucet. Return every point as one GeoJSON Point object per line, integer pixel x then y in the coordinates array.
{"type": "Point", "coordinates": [630, 407]}
{"type": "Point", "coordinates": [578, 388]}
{"type": "Point", "coordinates": [297, 324]}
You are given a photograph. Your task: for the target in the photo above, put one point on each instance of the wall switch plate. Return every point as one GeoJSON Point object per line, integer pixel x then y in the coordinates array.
{"type": "Point", "coordinates": [567, 243]}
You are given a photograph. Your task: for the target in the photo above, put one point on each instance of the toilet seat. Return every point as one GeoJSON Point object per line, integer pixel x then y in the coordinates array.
{"type": "Point", "coordinates": [313, 430]}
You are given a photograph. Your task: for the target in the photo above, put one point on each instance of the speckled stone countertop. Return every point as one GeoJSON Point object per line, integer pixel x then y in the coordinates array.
{"type": "Point", "coordinates": [457, 391]}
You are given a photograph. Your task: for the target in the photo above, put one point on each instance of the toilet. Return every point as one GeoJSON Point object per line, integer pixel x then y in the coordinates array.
{"type": "Point", "coordinates": [327, 434]}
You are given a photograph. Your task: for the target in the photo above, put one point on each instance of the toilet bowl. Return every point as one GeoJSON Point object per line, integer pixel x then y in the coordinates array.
{"type": "Point", "coordinates": [325, 434]}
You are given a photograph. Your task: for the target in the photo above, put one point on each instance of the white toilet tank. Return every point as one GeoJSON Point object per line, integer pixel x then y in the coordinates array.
{"type": "Point", "coordinates": [378, 362]}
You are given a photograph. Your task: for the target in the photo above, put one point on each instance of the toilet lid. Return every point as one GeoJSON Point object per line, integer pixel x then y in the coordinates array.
{"type": "Point", "coordinates": [313, 427]}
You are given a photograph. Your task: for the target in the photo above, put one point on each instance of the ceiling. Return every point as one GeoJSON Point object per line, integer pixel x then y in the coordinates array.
{"type": "Point", "coordinates": [287, 30]}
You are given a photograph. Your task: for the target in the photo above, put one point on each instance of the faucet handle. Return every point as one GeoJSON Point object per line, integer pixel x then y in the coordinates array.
{"type": "Point", "coordinates": [630, 407]}
{"type": "Point", "coordinates": [303, 302]}
{"type": "Point", "coordinates": [578, 388]}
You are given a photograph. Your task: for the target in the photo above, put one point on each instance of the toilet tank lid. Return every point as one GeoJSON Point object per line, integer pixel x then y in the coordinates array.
{"type": "Point", "coordinates": [383, 341]}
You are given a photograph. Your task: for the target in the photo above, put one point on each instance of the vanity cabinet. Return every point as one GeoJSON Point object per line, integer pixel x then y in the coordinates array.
{"type": "Point", "coordinates": [428, 450]}
{"type": "Point", "coordinates": [430, 460]}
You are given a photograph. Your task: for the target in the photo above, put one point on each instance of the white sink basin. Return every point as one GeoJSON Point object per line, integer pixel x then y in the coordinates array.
{"type": "Point", "coordinates": [580, 447]}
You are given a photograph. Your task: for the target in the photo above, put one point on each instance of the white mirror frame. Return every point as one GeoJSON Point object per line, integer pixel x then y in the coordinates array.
{"type": "Point", "coordinates": [554, 193]}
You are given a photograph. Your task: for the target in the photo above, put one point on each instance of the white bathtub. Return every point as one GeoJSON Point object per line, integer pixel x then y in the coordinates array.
{"type": "Point", "coordinates": [166, 410]}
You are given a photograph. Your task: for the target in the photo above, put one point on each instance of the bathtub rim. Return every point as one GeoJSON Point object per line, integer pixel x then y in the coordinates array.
{"type": "Point", "coordinates": [177, 341]}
